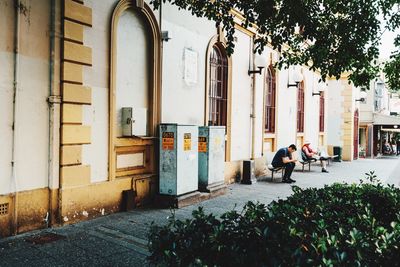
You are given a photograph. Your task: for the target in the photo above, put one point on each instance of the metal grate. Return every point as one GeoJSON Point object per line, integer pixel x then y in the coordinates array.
{"type": "Point", "coordinates": [44, 238]}
{"type": "Point", "coordinates": [3, 209]}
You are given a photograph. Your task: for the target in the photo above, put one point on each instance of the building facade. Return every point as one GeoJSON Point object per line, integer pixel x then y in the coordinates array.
{"type": "Point", "coordinates": [379, 119]}
{"type": "Point", "coordinates": [71, 66]}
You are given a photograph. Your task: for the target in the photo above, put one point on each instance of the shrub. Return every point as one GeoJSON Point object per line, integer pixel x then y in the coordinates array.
{"type": "Point", "coordinates": [338, 225]}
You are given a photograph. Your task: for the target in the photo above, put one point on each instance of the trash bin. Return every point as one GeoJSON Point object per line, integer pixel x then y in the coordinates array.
{"type": "Point", "coordinates": [337, 150]}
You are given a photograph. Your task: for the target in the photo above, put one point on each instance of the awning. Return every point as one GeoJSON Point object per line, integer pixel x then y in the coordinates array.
{"type": "Point", "coordinates": [390, 130]}
{"type": "Point", "coordinates": [380, 119]}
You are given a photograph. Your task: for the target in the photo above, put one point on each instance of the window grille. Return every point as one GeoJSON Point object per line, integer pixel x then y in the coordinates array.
{"type": "Point", "coordinates": [300, 108]}
{"type": "Point", "coordinates": [218, 90]}
{"type": "Point", "coordinates": [270, 100]}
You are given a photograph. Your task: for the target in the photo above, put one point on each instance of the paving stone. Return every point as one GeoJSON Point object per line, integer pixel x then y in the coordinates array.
{"type": "Point", "coordinates": [120, 239]}
{"type": "Point", "coordinates": [99, 246]}
{"type": "Point", "coordinates": [128, 259]}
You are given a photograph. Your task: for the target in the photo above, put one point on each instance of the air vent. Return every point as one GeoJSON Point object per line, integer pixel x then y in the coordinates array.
{"type": "Point", "coordinates": [3, 209]}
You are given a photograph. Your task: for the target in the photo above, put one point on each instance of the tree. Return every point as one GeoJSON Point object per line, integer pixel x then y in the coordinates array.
{"type": "Point", "coordinates": [333, 36]}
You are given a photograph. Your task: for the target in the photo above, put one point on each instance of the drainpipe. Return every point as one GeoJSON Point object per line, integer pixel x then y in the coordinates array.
{"type": "Point", "coordinates": [17, 4]}
{"type": "Point", "coordinates": [52, 100]}
{"type": "Point", "coordinates": [253, 106]}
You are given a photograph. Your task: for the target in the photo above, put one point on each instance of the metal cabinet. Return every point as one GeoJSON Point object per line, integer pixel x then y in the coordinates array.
{"type": "Point", "coordinates": [211, 156]}
{"type": "Point", "coordinates": [178, 159]}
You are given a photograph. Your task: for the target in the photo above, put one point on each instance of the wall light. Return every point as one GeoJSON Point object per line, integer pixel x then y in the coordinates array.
{"type": "Point", "coordinates": [260, 61]}
{"type": "Point", "coordinates": [295, 78]}
{"type": "Point", "coordinates": [363, 97]}
{"type": "Point", "coordinates": [165, 36]}
{"type": "Point", "coordinates": [321, 89]}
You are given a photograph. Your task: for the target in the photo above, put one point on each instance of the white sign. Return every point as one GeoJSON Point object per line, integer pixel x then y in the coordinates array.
{"type": "Point", "coordinates": [190, 76]}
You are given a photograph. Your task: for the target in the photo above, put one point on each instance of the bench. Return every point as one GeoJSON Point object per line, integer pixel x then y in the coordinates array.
{"type": "Point", "coordinates": [302, 161]}
{"type": "Point", "coordinates": [331, 158]}
{"type": "Point", "coordinates": [305, 162]}
{"type": "Point", "coordinates": [272, 169]}
{"type": "Point", "coordinates": [275, 169]}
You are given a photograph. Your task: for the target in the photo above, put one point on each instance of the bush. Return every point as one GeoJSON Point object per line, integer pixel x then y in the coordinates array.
{"type": "Point", "coordinates": [338, 225]}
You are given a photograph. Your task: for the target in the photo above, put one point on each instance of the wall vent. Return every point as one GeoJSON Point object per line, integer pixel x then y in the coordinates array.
{"type": "Point", "coordinates": [3, 209]}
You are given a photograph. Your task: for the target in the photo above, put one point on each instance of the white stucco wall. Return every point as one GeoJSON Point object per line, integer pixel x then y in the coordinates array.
{"type": "Point", "coordinates": [241, 99]}
{"type": "Point", "coordinates": [367, 108]}
{"type": "Point", "coordinates": [184, 102]}
{"type": "Point", "coordinates": [31, 125]}
{"type": "Point", "coordinates": [335, 111]}
{"type": "Point", "coordinates": [311, 107]}
{"type": "Point", "coordinates": [287, 111]}
{"type": "Point", "coordinates": [259, 111]}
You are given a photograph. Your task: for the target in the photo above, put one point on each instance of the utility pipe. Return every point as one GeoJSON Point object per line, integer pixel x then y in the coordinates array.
{"type": "Point", "coordinates": [253, 106]}
{"type": "Point", "coordinates": [51, 101]}
{"type": "Point", "coordinates": [17, 5]}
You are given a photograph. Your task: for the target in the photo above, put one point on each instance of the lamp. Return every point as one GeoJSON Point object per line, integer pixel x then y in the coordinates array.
{"type": "Point", "coordinates": [295, 78]}
{"type": "Point", "coordinates": [322, 89]}
{"type": "Point", "coordinates": [363, 97]}
{"type": "Point", "coordinates": [260, 62]}
{"type": "Point", "coordinates": [165, 36]}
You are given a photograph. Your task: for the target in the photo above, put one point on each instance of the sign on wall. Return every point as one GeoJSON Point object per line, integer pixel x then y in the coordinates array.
{"type": "Point", "coordinates": [190, 75]}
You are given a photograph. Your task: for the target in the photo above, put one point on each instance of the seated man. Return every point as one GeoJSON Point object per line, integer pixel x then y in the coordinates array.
{"type": "Point", "coordinates": [283, 158]}
{"type": "Point", "coordinates": [311, 154]}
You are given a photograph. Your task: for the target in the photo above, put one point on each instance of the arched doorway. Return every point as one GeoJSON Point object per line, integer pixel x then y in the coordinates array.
{"type": "Point", "coordinates": [135, 86]}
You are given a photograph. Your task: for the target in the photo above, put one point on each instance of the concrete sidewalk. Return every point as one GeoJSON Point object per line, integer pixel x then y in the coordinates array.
{"type": "Point", "coordinates": [121, 239]}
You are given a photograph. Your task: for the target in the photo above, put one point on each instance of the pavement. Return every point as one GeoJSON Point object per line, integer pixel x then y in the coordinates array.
{"type": "Point", "coordinates": [121, 239]}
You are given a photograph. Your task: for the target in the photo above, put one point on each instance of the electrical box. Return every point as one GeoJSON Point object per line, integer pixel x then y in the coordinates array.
{"type": "Point", "coordinates": [178, 159]}
{"type": "Point", "coordinates": [134, 121]}
{"type": "Point", "coordinates": [211, 156]}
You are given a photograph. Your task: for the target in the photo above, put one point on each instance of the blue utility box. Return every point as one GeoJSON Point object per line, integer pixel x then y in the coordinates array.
{"type": "Point", "coordinates": [178, 159]}
{"type": "Point", "coordinates": [211, 156]}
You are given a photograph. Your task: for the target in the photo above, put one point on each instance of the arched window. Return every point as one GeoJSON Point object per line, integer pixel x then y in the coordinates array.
{"type": "Point", "coordinates": [218, 89]}
{"type": "Point", "coordinates": [270, 100]}
{"type": "Point", "coordinates": [321, 112]}
{"type": "Point", "coordinates": [300, 108]}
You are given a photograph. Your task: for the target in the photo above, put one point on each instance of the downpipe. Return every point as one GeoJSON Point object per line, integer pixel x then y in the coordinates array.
{"type": "Point", "coordinates": [253, 104]}
{"type": "Point", "coordinates": [52, 100]}
{"type": "Point", "coordinates": [17, 4]}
